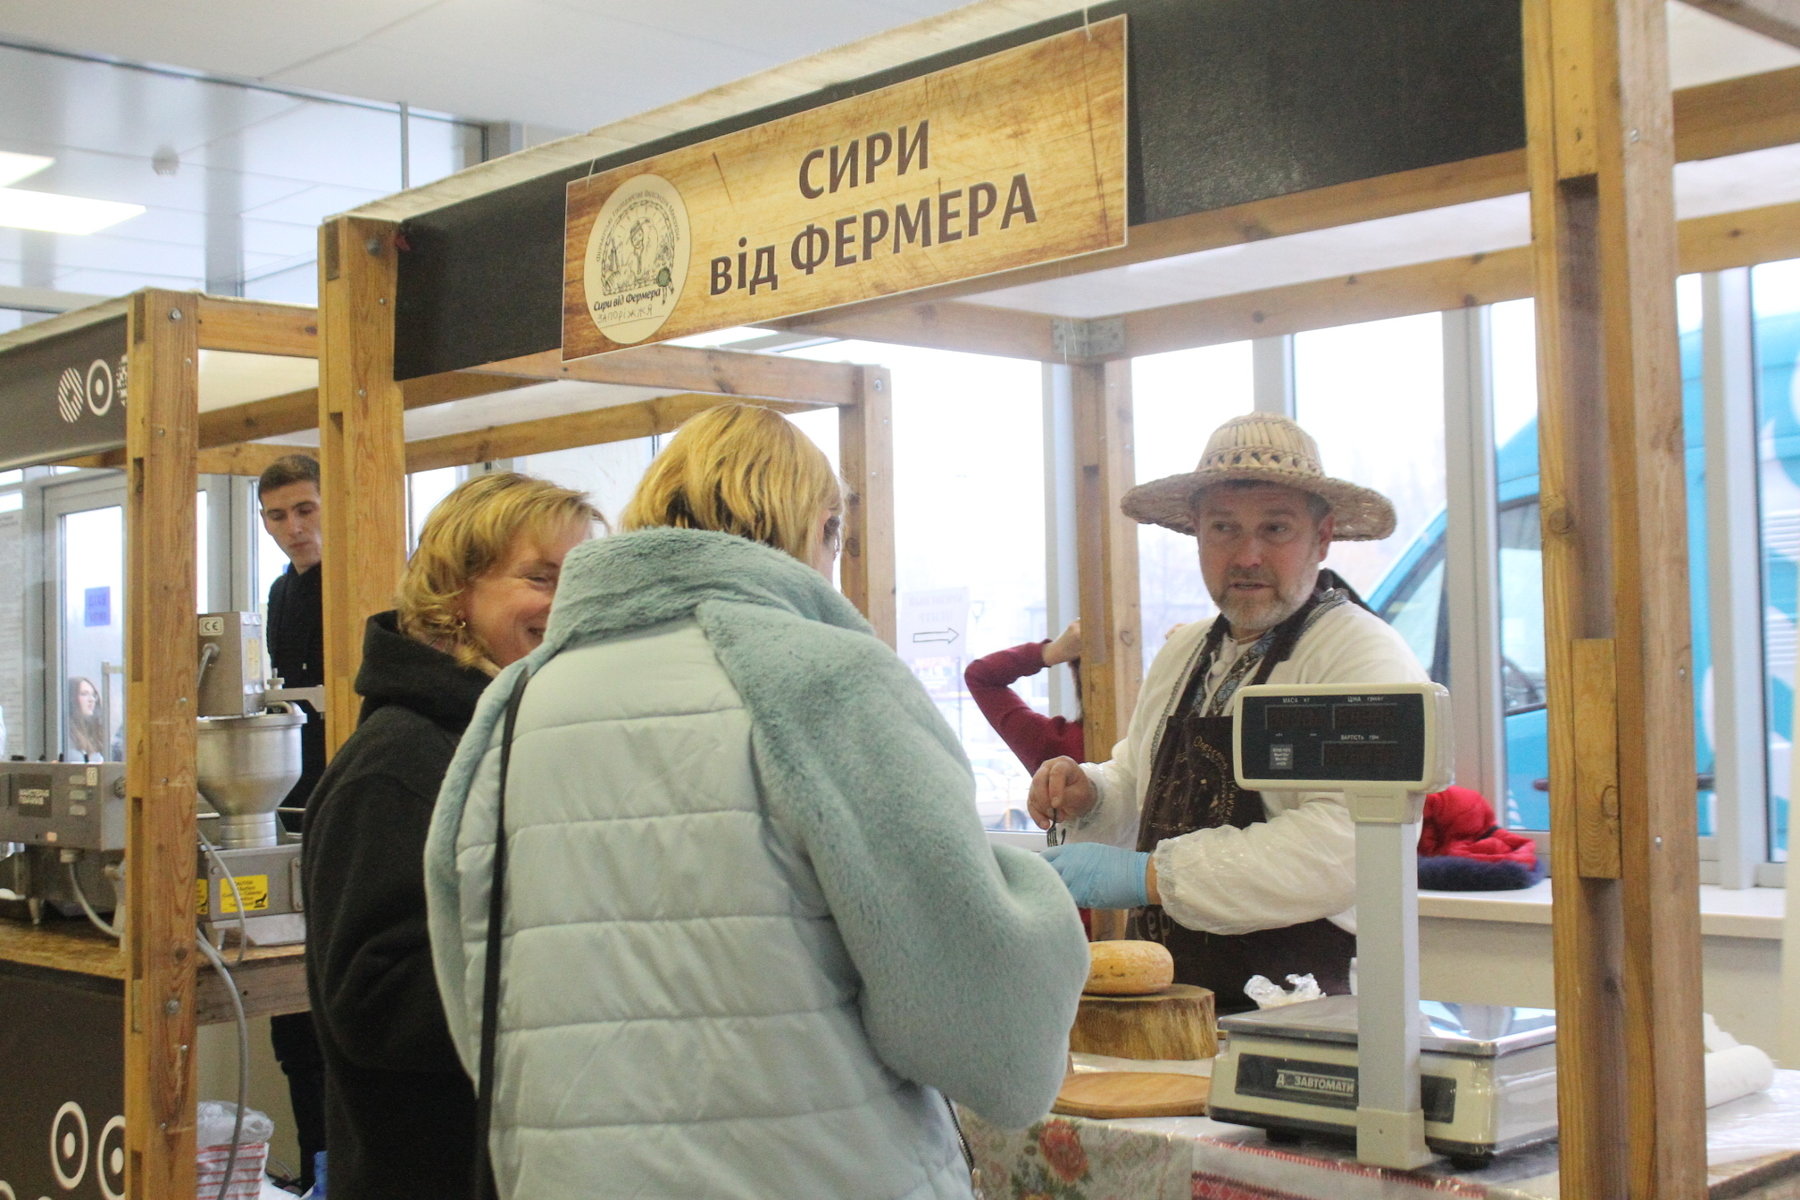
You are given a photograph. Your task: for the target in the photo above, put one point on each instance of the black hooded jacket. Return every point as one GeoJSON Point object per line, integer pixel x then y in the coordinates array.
{"type": "Point", "coordinates": [399, 1109]}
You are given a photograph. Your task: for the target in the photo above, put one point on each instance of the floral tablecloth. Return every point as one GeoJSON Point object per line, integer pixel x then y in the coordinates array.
{"type": "Point", "coordinates": [1753, 1150]}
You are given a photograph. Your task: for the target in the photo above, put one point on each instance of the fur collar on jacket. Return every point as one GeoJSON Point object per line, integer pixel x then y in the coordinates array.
{"type": "Point", "coordinates": [634, 580]}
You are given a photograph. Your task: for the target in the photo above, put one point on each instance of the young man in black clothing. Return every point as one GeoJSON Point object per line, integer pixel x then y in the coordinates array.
{"type": "Point", "coordinates": [288, 495]}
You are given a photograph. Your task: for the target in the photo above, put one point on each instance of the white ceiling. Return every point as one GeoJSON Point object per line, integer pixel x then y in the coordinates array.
{"type": "Point", "coordinates": [567, 65]}
{"type": "Point", "coordinates": [236, 180]}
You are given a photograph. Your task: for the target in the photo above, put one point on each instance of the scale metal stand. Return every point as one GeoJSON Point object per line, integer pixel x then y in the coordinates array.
{"type": "Point", "coordinates": [1383, 747]}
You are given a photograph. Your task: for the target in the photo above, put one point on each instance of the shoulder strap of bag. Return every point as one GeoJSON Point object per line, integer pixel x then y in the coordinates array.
{"type": "Point", "coordinates": [490, 975]}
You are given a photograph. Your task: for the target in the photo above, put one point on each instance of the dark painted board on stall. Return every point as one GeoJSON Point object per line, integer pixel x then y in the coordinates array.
{"type": "Point", "coordinates": [1230, 101]}
{"type": "Point", "coordinates": [62, 1054]}
{"type": "Point", "coordinates": [64, 395]}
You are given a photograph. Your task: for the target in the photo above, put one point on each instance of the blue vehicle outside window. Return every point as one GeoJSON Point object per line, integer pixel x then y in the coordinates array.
{"type": "Point", "coordinates": [1411, 595]}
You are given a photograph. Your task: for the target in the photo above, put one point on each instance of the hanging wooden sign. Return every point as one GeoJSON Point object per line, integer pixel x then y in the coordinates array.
{"type": "Point", "coordinates": [1007, 160]}
{"type": "Point", "coordinates": [63, 395]}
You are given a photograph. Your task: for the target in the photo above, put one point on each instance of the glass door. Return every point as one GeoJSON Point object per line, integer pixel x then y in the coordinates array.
{"type": "Point", "coordinates": [84, 551]}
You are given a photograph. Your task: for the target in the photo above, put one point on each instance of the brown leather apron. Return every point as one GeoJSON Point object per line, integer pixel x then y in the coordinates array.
{"type": "Point", "coordinates": [1193, 786]}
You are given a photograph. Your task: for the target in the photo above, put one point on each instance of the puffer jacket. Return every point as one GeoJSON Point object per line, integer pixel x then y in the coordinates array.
{"type": "Point", "coordinates": [753, 927]}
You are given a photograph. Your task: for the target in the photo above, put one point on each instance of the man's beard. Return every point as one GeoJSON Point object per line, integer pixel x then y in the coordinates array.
{"type": "Point", "coordinates": [1262, 611]}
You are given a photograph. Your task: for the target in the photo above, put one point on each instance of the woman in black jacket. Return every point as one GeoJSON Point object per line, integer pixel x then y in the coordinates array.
{"type": "Point", "coordinates": [399, 1110]}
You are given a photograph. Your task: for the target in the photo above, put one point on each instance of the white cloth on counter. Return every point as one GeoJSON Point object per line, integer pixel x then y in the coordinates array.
{"type": "Point", "coordinates": [1300, 864]}
{"type": "Point", "coordinates": [1733, 1070]}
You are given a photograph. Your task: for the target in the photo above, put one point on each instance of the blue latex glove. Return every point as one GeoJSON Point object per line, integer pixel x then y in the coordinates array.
{"type": "Point", "coordinates": [1101, 876]}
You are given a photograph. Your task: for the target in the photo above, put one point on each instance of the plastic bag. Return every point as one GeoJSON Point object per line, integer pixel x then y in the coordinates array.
{"type": "Point", "coordinates": [214, 1118]}
{"type": "Point", "coordinates": [1271, 995]}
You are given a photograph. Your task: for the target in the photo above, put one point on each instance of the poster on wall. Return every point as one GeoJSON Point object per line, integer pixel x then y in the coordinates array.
{"type": "Point", "coordinates": [1004, 161]}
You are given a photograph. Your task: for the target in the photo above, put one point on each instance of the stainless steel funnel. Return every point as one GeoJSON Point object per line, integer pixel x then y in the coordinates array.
{"type": "Point", "coordinates": [245, 767]}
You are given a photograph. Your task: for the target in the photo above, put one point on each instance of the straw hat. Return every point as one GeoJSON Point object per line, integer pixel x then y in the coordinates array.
{"type": "Point", "coordinates": [1267, 449]}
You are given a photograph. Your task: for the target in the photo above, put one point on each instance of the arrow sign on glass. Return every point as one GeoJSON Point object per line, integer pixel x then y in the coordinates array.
{"type": "Point", "coordinates": [933, 622]}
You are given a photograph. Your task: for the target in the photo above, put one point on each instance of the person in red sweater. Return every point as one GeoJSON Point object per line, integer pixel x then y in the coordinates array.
{"type": "Point", "coordinates": [1027, 733]}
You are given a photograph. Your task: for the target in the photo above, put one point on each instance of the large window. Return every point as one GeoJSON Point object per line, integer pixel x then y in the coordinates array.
{"type": "Point", "coordinates": [1745, 823]}
{"type": "Point", "coordinates": [12, 613]}
{"type": "Point", "coordinates": [1775, 292]}
{"type": "Point", "coordinates": [1372, 396]}
{"type": "Point", "coordinates": [968, 534]}
{"type": "Point", "coordinates": [234, 178]}
{"type": "Point", "coordinates": [1177, 400]}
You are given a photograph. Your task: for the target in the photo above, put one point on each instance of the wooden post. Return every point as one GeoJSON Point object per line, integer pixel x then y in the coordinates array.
{"type": "Point", "coordinates": [866, 458]}
{"type": "Point", "coordinates": [1112, 657]}
{"type": "Point", "coordinates": [1627, 934]}
{"type": "Point", "coordinates": [362, 451]}
{"type": "Point", "coordinates": [161, 445]}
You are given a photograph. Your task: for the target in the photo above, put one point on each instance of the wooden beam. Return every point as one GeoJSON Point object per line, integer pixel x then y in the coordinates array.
{"type": "Point", "coordinates": [1112, 656]}
{"type": "Point", "coordinates": [362, 462]}
{"type": "Point", "coordinates": [288, 413]}
{"type": "Point", "coordinates": [945, 325]}
{"type": "Point", "coordinates": [246, 458]}
{"type": "Point", "coordinates": [237, 423]}
{"type": "Point", "coordinates": [866, 458]}
{"type": "Point", "coordinates": [593, 427]}
{"type": "Point", "coordinates": [1713, 243]}
{"type": "Point", "coordinates": [690, 369]}
{"type": "Point", "coordinates": [1740, 239]}
{"type": "Point", "coordinates": [1778, 19]}
{"type": "Point", "coordinates": [1735, 116]}
{"type": "Point", "coordinates": [1627, 950]}
{"type": "Point", "coordinates": [163, 353]}
{"type": "Point", "coordinates": [299, 410]}
{"type": "Point", "coordinates": [1344, 300]}
{"type": "Point", "coordinates": [257, 327]}
{"type": "Point", "coordinates": [270, 981]}
{"type": "Point", "coordinates": [1730, 117]}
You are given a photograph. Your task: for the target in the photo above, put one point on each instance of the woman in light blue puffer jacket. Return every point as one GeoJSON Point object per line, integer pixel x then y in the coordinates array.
{"type": "Point", "coordinates": [753, 927]}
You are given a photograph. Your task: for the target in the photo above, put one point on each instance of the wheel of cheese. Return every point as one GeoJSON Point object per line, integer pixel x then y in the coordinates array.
{"type": "Point", "coordinates": [1129, 968]}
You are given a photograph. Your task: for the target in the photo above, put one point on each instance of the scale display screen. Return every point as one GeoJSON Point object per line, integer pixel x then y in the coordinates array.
{"type": "Point", "coordinates": [1312, 736]}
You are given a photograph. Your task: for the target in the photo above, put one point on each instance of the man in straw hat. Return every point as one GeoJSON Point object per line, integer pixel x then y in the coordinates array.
{"type": "Point", "coordinates": [1234, 883]}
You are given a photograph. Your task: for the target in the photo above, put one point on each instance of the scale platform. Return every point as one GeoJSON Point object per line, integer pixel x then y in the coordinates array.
{"type": "Point", "coordinates": [1487, 1074]}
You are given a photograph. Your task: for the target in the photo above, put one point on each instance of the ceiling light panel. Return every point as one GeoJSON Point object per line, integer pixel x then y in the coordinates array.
{"type": "Point", "coordinates": [51, 213]}
{"type": "Point", "coordinates": [14, 167]}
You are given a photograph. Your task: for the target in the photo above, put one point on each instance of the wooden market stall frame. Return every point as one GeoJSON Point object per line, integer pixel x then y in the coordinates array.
{"type": "Point", "coordinates": [166, 993]}
{"type": "Point", "coordinates": [1603, 135]}
{"type": "Point", "coordinates": [169, 443]}
{"type": "Point", "coordinates": [1618, 1141]}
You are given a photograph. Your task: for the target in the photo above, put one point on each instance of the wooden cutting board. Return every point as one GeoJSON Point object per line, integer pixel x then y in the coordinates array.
{"type": "Point", "coordinates": [1108, 1094]}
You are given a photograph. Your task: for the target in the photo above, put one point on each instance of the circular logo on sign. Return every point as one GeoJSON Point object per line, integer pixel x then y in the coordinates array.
{"type": "Point", "coordinates": [70, 394]}
{"type": "Point", "coordinates": [99, 387]}
{"type": "Point", "coordinates": [637, 259]}
{"type": "Point", "coordinates": [109, 1160]}
{"type": "Point", "coordinates": [69, 1145]}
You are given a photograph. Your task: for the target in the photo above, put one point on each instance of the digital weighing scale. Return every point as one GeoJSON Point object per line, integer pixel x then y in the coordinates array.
{"type": "Point", "coordinates": [1354, 1065]}
{"type": "Point", "coordinates": [1487, 1074]}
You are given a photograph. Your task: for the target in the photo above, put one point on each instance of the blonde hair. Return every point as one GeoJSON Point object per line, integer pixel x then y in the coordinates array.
{"type": "Point", "coordinates": [745, 470]}
{"type": "Point", "coordinates": [466, 536]}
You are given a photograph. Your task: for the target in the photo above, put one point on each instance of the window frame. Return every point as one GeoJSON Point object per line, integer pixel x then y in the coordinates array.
{"type": "Point", "coordinates": [1738, 854]}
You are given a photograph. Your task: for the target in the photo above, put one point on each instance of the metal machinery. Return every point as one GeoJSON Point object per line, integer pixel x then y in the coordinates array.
{"type": "Point", "coordinates": [1404, 1077]}
{"type": "Point", "coordinates": [248, 757]}
{"type": "Point", "coordinates": [62, 825]}
{"type": "Point", "coordinates": [62, 834]}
